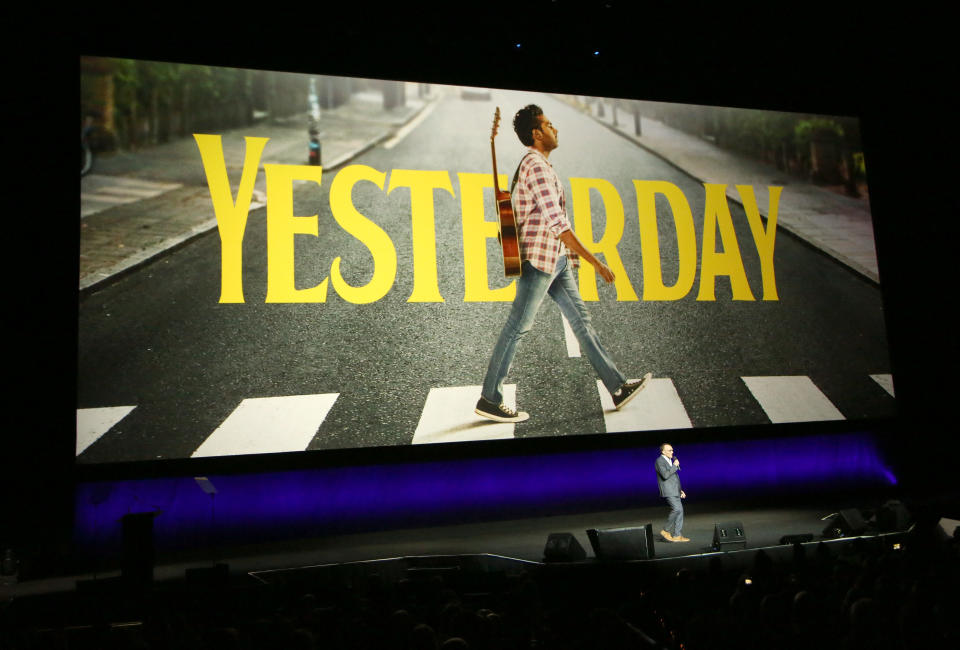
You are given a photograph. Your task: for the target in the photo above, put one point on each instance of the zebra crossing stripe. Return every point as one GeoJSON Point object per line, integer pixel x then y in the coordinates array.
{"type": "Point", "coordinates": [792, 399]}
{"type": "Point", "coordinates": [289, 423]}
{"type": "Point", "coordinates": [128, 193]}
{"type": "Point", "coordinates": [448, 416]}
{"type": "Point", "coordinates": [105, 198]}
{"type": "Point", "coordinates": [93, 423]}
{"type": "Point", "coordinates": [886, 381]}
{"type": "Point", "coordinates": [118, 185]}
{"type": "Point", "coordinates": [573, 345]}
{"type": "Point", "coordinates": [658, 406]}
{"type": "Point", "coordinates": [266, 425]}
{"type": "Point", "coordinates": [101, 192]}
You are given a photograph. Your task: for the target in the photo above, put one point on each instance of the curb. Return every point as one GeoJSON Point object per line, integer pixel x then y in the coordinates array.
{"type": "Point", "coordinates": [141, 258]}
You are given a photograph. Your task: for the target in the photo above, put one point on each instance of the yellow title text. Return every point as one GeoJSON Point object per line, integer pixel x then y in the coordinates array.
{"type": "Point", "coordinates": [283, 226]}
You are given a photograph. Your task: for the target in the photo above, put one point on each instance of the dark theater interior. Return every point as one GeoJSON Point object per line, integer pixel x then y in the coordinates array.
{"type": "Point", "coordinates": [798, 531]}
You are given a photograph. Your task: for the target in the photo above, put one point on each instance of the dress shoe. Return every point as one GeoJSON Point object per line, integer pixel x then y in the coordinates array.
{"type": "Point", "coordinates": [681, 538]}
{"type": "Point", "coordinates": [667, 536]}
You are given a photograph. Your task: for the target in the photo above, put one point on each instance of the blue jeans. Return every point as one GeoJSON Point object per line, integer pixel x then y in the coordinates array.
{"type": "Point", "coordinates": [532, 288]}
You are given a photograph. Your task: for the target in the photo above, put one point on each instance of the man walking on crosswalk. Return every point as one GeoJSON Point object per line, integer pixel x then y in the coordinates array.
{"type": "Point", "coordinates": [549, 251]}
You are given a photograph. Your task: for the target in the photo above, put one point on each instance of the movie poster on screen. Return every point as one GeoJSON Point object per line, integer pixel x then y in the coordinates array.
{"type": "Point", "coordinates": [277, 262]}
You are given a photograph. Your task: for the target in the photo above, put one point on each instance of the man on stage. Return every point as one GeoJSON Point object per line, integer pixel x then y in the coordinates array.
{"type": "Point", "coordinates": [669, 481]}
{"type": "Point", "coordinates": [549, 251]}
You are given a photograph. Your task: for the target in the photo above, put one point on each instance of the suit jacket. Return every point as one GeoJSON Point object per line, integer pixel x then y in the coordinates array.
{"type": "Point", "coordinates": [667, 477]}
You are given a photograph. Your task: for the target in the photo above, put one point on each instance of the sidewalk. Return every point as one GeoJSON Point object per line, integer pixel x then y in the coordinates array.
{"type": "Point", "coordinates": [135, 206]}
{"type": "Point", "coordinates": [838, 225]}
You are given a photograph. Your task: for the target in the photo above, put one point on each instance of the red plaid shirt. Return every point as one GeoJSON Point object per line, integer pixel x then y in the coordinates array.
{"type": "Point", "coordinates": [540, 210]}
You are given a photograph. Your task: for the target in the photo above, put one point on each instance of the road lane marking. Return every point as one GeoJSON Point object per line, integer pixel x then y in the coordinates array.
{"type": "Point", "coordinates": [93, 423]}
{"type": "Point", "coordinates": [658, 406]}
{"type": "Point", "coordinates": [792, 399]}
{"type": "Point", "coordinates": [448, 416]}
{"type": "Point", "coordinates": [573, 345]}
{"type": "Point", "coordinates": [886, 381]}
{"type": "Point", "coordinates": [408, 127]}
{"type": "Point", "coordinates": [266, 425]}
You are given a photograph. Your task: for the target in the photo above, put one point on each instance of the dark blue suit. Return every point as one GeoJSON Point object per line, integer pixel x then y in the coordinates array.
{"type": "Point", "coordinates": [669, 483]}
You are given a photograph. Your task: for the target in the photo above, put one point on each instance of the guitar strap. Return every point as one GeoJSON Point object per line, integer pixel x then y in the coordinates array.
{"type": "Point", "coordinates": [516, 174]}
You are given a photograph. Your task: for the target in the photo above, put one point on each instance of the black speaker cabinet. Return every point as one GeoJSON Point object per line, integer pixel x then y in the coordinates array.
{"type": "Point", "coordinates": [635, 543]}
{"type": "Point", "coordinates": [729, 535]}
{"type": "Point", "coordinates": [563, 547]}
{"type": "Point", "coordinates": [847, 523]}
{"type": "Point", "coordinates": [136, 563]}
{"type": "Point", "coordinates": [893, 516]}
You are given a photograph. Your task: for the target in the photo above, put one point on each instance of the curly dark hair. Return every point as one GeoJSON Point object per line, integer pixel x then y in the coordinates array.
{"type": "Point", "coordinates": [525, 121]}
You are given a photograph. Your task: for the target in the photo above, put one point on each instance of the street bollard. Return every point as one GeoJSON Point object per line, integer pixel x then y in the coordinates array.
{"type": "Point", "coordinates": [315, 147]}
{"type": "Point", "coordinates": [313, 124]}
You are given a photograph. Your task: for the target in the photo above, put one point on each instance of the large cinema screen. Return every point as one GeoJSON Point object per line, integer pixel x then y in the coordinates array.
{"type": "Point", "coordinates": [278, 262]}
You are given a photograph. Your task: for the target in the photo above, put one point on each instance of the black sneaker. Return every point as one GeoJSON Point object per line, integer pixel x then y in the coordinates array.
{"type": "Point", "coordinates": [629, 390]}
{"type": "Point", "coordinates": [500, 413]}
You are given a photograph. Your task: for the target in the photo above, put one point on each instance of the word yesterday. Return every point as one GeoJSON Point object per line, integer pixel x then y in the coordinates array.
{"type": "Point", "coordinates": [282, 227]}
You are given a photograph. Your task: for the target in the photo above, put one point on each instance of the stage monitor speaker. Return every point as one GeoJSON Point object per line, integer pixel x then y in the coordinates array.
{"type": "Point", "coordinates": [563, 547]}
{"type": "Point", "coordinates": [729, 535]}
{"type": "Point", "coordinates": [893, 516]}
{"type": "Point", "coordinates": [802, 538]}
{"type": "Point", "coordinates": [846, 523]}
{"type": "Point", "coordinates": [635, 543]}
{"type": "Point", "coordinates": [950, 527]}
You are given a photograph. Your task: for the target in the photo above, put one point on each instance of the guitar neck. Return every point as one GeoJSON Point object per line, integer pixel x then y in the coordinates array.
{"type": "Point", "coordinates": [496, 180]}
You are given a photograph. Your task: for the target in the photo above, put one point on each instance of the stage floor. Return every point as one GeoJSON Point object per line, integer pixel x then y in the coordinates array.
{"type": "Point", "coordinates": [521, 539]}
{"type": "Point", "coordinates": [524, 539]}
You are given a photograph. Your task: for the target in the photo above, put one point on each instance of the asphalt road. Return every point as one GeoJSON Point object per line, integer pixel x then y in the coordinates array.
{"type": "Point", "coordinates": [159, 340]}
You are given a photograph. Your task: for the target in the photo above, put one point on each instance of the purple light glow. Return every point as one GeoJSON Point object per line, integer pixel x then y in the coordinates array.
{"type": "Point", "coordinates": [283, 505]}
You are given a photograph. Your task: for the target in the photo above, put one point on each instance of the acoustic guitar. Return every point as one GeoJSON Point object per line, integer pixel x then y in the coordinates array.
{"type": "Point", "coordinates": [508, 224]}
